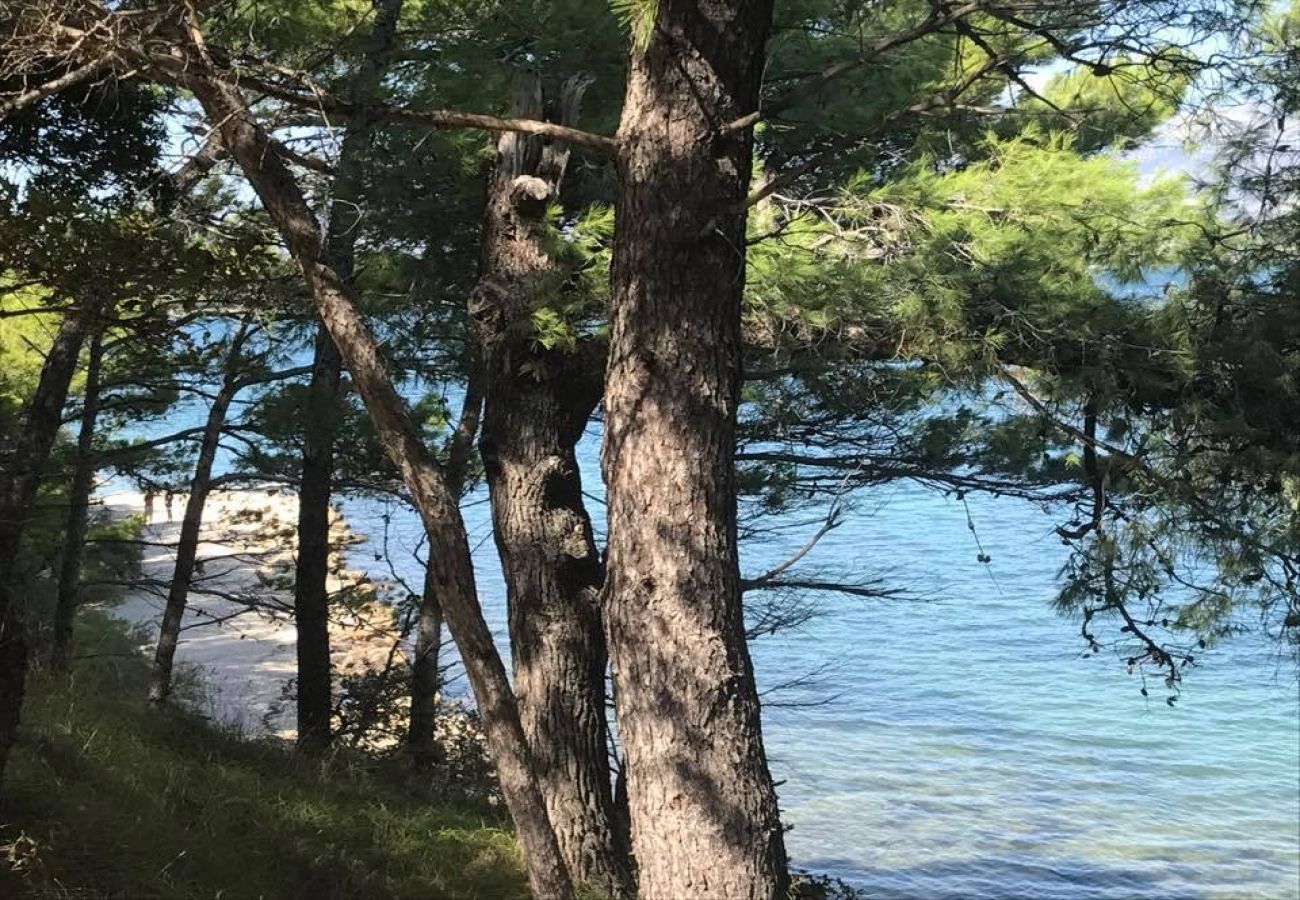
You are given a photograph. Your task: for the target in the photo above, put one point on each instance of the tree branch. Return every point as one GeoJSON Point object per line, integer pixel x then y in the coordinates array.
{"type": "Point", "coordinates": [433, 118]}
{"type": "Point", "coordinates": [938, 19]}
{"type": "Point", "coordinates": [67, 80]}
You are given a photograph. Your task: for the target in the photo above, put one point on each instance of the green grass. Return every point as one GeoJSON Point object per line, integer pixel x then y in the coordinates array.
{"type": "Point", "coordinates": [106, 797]}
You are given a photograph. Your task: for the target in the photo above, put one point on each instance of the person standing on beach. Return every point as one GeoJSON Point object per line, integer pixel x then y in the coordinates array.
{"type": "Point", "coordinates": [167, 502]}
{"type": "Point", "coordinates": [148, 507]}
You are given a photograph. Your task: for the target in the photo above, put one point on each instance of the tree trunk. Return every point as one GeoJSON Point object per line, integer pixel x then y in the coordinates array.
{"type": "Point", "coordinates": [536, 406]}
{"type": "Point", "coordinates": [160, 684]}
{"type": "Point", "coordinates": [21, 479]}
{"type": "Point", "coordinates": [449, 555]}
{"type": "Point", "coordinates": [704, 815]}
{"type": "Point", "coordinates": [311, 569]}
{"type": "Point", "coordinates": [426, 661]}
{"type": "Point", "coordinates": [425, 677]}
{"type": "Point", "coordinates": [553, 576]}
{"type": "Point", "coordinates": [74, 534]}
{"type": "Point", "coordinates": [311, 596]}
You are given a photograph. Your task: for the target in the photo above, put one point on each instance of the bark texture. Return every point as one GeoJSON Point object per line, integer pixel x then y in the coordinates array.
{"type": "Point", "coordinates": [536, 406]}
{"type": "Point", "coordinates": [311, 597]}
{"type": "Point", "coordinates": [21, 479]}
{"type": "Point", "coordinates": [449, 555]}
{"type": "Point", "coordinates": [74, 533]}
{"type": "Point", "coordinates": [703, 810]}
{"type": "Point", "coordinates": [187, 548]}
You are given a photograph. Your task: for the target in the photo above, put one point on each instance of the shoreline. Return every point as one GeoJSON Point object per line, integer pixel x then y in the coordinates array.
{"type": "Point", "coordinates": [238, 638]}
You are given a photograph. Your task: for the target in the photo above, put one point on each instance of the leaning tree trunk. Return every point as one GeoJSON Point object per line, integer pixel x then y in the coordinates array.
{"type": "Point", "coordinates": [74, 532]}
{"type": "Point", "coordinates": [426, 660]}
{"type": "Point", "coordinates": [703, 809]}
{"type": "Point", "coordinates": [169, 633]}
{"type": "Point", "coordinates": [438, 504]}
{"type": "Point", "coordinates": [41, 422]}
{"type": "Point", "coordinates": [536, 406]}
{"type": "Point", "coordinates": [311, 594]}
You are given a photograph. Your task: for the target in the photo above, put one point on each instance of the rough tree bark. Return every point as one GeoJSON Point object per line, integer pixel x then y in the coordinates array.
{"type": "Point", "coordinates": [449, 556]}
{"type": "Point", "coordinates": [160, 682]}
{"type": "Point", "coordinates": [703, 810]}
{"type": "Point", "coordinates": [311, 576]}
{"type": "Point", "coordinates": [74, 533]}
{"type": "Point", "coordinates": [20, 479]}
{"type": "Point", "coordinates": [536, 406]}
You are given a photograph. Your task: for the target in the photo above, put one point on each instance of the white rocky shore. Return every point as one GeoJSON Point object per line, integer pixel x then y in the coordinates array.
{"type": "Point", "coordinates": [238, 636]}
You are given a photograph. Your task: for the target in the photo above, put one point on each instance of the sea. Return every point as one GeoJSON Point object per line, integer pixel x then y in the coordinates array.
{"type": "Point", "coordinates": [957, 741]}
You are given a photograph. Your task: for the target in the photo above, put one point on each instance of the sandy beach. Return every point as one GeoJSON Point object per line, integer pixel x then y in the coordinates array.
{"type": "Point", "coordinates": [239, 638]}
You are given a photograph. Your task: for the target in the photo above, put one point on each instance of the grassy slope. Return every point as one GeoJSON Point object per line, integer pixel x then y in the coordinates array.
{"type": "Point", "coordinates": [109, 798]}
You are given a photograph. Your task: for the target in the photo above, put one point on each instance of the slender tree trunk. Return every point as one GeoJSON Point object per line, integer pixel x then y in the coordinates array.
{"type": "Point", "coordinates": [437, 503]}
{"type": "Point", "coordinates": [311, 570]}
{"type": "Point", "coordinates": [703, 809]}
{"type": "Point", "coordinates": [536, 407]}
{"type": "Point", "coordinates": [426, 661]}
{"type": "Point", "coordinates": [74, 533]}
{"type": "Point", "coordinates": [21, 478]}
{"type": "Point", "coordinates": [425, 677]}
{"type": "Point", "coordinates": [311, 596]}
{"type": "Point", "coordinates": [160, 684]}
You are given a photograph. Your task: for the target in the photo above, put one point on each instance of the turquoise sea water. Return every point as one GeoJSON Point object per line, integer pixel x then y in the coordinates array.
{"type": "Point", "coordinates": [968, 750]}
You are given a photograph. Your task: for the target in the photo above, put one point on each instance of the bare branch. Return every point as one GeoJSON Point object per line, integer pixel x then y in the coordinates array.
{"type": "Point", "coordinates": [67, 80]}
{"type": "Point", "coordinates": [121, 38]}
{"type": "Point", "coordinates": [433, 118]}
{"type": "Point", "coordinates": [832, 522]}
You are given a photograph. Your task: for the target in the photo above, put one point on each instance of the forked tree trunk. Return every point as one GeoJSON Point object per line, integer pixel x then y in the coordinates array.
{"type": "Point", "coordinates": [702, 805]}
{"type": "Point", "coordinates": [22, 476]}
{"type": "Point", "coordinates": [536, 407]}
{"type": "Point", "coordinates": [449, 555]}
{"type": "Point", "coordinates": [169, 633]}
{"type": "Point", "coordinates": [311, 574]}
{"type": "Point", "coordinates": [553, 576]}
{"type": "Point", "coordinates": [74, 532]}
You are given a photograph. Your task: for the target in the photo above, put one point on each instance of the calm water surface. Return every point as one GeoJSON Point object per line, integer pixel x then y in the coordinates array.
{"type": "Point", "coordinates": [971, 751]}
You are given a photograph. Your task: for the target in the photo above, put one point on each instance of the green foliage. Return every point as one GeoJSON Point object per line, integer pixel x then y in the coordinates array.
{"type": "Point", "coordinates": [954, 254]}
{"type": "Point", "coordinates": [1118, 107]}
{"type": "Point", "coordinates": [110, 797]}
{"type": "Point", "coordinates": [111, 558]}
{"type": "Point", "coordinates": [1001, 259]}
{"type": "Point", "coordinates": [103, 136]}
{"type": "Point", "coordinates": [570, 302]}
{"type": "Point", "coordinates": [638, 17]}
{"type": "Point", "coordinates": [812, 36]}
{"type": "Point", "coordinates": [22, 340]}
{"type": "Point", "coordinates": [1205, 537]}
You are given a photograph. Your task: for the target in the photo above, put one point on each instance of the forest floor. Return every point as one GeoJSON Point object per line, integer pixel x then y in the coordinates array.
{"type": "Point", "coordinates": [107, 797]}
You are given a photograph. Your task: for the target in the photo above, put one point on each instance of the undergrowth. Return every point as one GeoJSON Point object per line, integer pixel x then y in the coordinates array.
{"type": "Point", "coordinates": [107, 797]}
